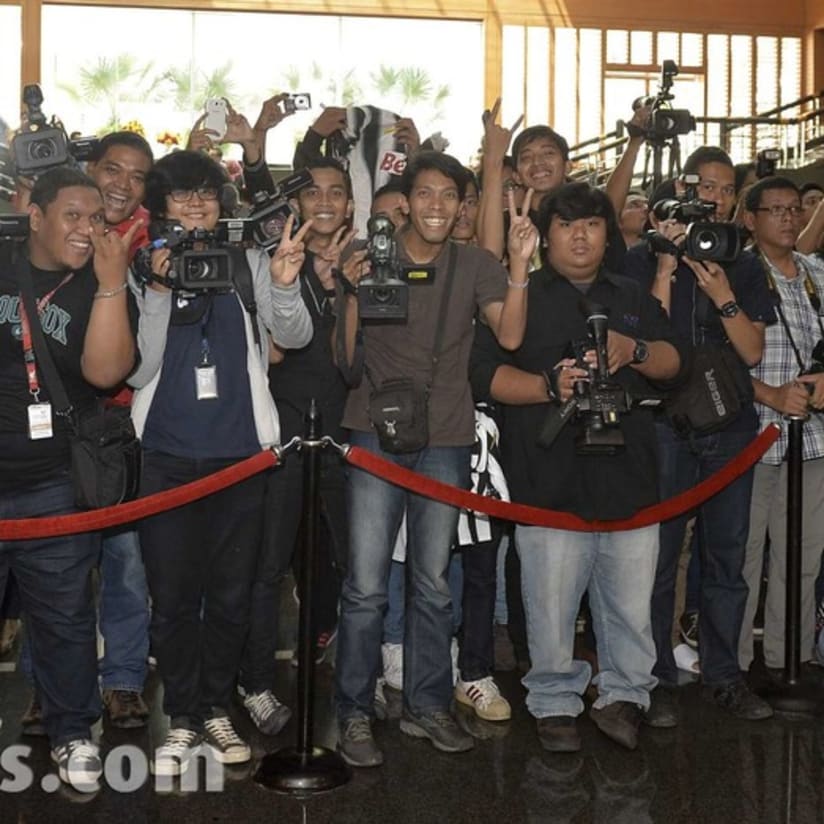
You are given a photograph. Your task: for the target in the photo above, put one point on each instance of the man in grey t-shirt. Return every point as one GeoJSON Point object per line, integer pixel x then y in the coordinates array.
{"type": "Point", "coordinates": [434, 186]}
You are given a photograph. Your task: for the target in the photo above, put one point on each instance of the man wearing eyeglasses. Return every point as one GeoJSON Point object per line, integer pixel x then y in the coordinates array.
{"type": "Point", "coordinates": [788, 381]}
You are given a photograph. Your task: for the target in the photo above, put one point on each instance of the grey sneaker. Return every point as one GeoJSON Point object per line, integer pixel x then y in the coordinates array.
{"type": "Point", "coordinates": [173, 756]}
{"type": "Point", "coordinates": [440, 728]}
{"type": "Point", "coordinates": [228, 747]}
{"type": "Point", "coordinates": [356, 744]}
{"type": "Point", "coordinates": [269, 715]}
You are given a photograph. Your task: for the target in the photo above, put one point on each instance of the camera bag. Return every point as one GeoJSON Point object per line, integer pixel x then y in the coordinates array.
{"type": "Point", "coordinates": [399, 407]}
{"type": "Point", "coordinates": [105, 452]}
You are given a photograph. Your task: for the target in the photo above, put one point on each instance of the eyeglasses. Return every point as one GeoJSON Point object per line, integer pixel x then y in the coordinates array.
{"type": "Point", "coordinates": [185, 195]}
{"type": "Point", "coordinates": [511, 186]}
{"type": "Point", "coordinates": [779, 211]}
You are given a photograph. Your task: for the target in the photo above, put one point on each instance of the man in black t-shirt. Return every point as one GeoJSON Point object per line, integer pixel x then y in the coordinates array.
{"type": "Point", "coordinates": [79, 281]}
{"type": "Point", "coordinates": [579, 473]}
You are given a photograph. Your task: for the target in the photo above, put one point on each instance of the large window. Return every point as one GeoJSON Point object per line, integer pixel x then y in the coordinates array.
{"type": "Point", "coordinates": [9, 68]}
{"type": "Point", "coordinates": [157, 67]}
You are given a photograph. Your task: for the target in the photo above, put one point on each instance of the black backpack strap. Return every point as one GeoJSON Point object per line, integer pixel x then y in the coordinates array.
{"type": "Point", "coordinates": [245, 287]}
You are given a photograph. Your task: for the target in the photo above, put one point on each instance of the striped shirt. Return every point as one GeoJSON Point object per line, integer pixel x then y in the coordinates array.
{"type": "Point", "coordinates": [779, 364]}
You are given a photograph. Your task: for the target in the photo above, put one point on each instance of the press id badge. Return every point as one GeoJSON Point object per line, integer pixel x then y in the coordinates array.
{"type": "Point", "coordinates": [40, 421]}
{"type": "Point", "coordinates": [206, 381]}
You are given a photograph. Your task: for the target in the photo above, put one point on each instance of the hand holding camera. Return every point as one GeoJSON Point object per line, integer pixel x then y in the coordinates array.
{"type": "Point", "coordinates": [712, 279]}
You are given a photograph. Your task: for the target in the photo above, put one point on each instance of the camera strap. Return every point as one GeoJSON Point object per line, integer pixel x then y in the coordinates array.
{"type": "Point", "coordinates": [441, 322]}
{"type": "Point", "coordinates": [812, 296]}
{"type": "Point", "coordinates": [245, 288]}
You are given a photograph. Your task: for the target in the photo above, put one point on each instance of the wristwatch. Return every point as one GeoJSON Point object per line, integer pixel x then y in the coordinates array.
{"type": "Point", "coordinates": [641, 352]}
{"type": "Point", "coordinates": [729, 310]}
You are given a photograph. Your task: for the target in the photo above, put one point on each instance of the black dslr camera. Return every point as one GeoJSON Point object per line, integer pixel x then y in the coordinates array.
{"type": "Point", "coordinates": [271, 210]}
{"type": "Point", "coordinates": [766, 162]}
{"type": "Point", "coordinates": [44, 145]}
{"type": "Point", "coordinates": [383, 294]}
{"type": "Point", "coordinates": [597, 402]}
{"type": "Point", "coordinates": [705, 240]}
{"type": "Point", "coordinates": [198, 263]}
{"type": "Point", "coordinates": [665, 122]}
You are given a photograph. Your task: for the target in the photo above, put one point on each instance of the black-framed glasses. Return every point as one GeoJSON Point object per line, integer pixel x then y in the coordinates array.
{"type": "Point", "coordinates": [511, 185]}
{"type": "Point", "coordinates": [778, 211]}
{"type": "Point", "coordinates": [185, 195]}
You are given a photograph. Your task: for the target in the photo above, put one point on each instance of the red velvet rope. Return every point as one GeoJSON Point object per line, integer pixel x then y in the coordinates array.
{"type": "Point", "coordinates": [143, 507]}
{"type": "Point", "coordinates": [535, 516]}
{"type": "Point", "coordinates": [135, 510]}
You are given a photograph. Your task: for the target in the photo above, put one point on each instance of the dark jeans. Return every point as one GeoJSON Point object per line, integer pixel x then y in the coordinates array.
{"type": "Point", "coordinates": [476, 658]}
{"type": "Point", "coordinates": [53, 575]}
{"type": "Point", "coordinates": [200, 561]}
{"type": "Point", "coordinates": [722, 527]}
{"type": "Point", "coordinates": [282, 520]}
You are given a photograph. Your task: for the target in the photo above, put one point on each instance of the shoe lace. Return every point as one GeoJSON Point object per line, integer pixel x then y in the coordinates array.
{"type": "Point", "coordinates": [263, 704]}
{"type": "Point", "coordinates": [357, 730]}
{"type": "Point", "coordinates": [222, 730]}
{"type": "Point", "coordinates": [81, 749]}
{"type": "Point", "coordinates": [178, 739]}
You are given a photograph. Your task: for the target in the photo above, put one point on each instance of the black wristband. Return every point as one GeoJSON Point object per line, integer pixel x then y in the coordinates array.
{"type": "Point", "coordinates": [348, 287]}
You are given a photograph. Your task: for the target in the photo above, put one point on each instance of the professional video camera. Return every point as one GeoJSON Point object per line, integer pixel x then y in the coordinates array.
{"type": "Point", "coordinates": [42, 145]}
{"type": "Point", "coordinates": [597, 402]}
{"type": "Point", "coordinates": [7, 185]}
{"type": "Point", "coordinates": [705, 239]}
{"type": "Point", "coordinates": [271, 210]}
{"type": "Point", "coordinates": [14, 227]}
{"type": "Point", "coordinates": [199, 261]}
{"type": "Point", "coordinates": [665, 122]}
{"type": "Point", "coordinates": [383, 294]}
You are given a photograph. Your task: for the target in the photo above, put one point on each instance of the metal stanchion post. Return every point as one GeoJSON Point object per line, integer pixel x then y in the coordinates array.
{"type": "Point", "coordinates": [792, 696]}
{"type": "Point", "coordinates": [306, 768]}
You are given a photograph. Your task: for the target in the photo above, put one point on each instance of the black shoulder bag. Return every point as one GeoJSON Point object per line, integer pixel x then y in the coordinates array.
{"type": "Point", "coordinates": [399, 408]}
{"type": "Point", "coordinates": [105, 452]}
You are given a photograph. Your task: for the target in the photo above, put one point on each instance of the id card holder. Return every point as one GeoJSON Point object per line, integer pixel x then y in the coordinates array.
{"type": "Point", "coordinates": [40, 421]}
{"type": "Point", "coordinates": [206, 381]}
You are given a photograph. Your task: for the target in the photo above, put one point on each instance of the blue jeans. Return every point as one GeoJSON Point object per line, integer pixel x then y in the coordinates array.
{"type": "Point", "coordinates": [722, 527]}
{"type": "Point", "coordinates": [53, 575]}
{"type": "Point", "coordinates": [618, 570]}
{"type": "Point", "coordinates": [375, 511]}
{"type": "Point", "coordinates": [396, 593]}
{"type": "Point", "coordinates": [124, 612]}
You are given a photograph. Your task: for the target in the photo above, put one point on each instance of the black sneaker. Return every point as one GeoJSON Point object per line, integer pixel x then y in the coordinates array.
{"type": "Point", "coordinates": [688, 628]}
{"type": "Point", "coordinates": [663, 709]}
{"type": "Point", "coordinates": [559, 733]}
{"type": "Point", "coordinates": [227, 746]}
{"type": "Point", "coordinates": [619, 721]}
{"type": "Point", "coordinates": [739, 700]}
{"type": "Point", "coordinates": [268, 714]}
{"type": "Point", "coordinates": [440, 728]}
{"type": "Point", "coordinates": [356, 744]}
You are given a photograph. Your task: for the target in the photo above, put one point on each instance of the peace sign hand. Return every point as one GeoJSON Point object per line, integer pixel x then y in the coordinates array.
{"type": "Point", "coordinates": [329, 258]}
{"type": "Point", "coordinates": [523, 236]}
{"type": "Point", "coordinates": [289, 255]}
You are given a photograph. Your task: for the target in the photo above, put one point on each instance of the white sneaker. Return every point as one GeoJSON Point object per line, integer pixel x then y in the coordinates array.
{"type": "Point", "coordinates": [379, 704]}
{"type": "Point", "coordinates": [393, 665]}
{"type": "Point", "coordinates": [485, 698]}
{"type": "Point", "coordinates": [174, 755]}
{"type": "Point", "coordinates": [228, 747]}
{"type": "Point", "coordinates": [78, 764]}
{"type": "Point", "coordinates": [269, 715]}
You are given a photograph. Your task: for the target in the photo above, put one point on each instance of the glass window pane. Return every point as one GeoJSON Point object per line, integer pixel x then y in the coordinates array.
{"type": "Point", "coordinates": [717, 75]}
{"type": "Point", "coordinates": [617, 47]}
{"type": "Point", "coordinates": [566, 86]}
{"type": "Point", "coordinates": [589, 85]}
{"type": "Point", "coordinates": [741, 71]}
{"type": "Point", "coordinates": [537, 89]}
{"type": "Point", "coordinates": [766, 84]}
{"type": "Point", "coordinates": [692, 49]}
{"type": "Point", "coordinates": [9, 69]}
{"type": "Point", "coordinates": [641, 48]}
{"type": "Point", "coordinates": [513, 83]}
{"type": "Point", "coordinates": [668, 47]}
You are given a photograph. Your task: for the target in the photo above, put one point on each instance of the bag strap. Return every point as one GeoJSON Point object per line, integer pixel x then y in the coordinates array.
{"type": "Point", "coordinates": [440, 325]}
{"type": "Point", "coordinates": [41, 350]}
{"type": "Point", "coordinates": [245, 288]}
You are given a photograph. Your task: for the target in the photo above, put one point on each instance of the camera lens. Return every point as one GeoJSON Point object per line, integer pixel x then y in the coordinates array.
{"type": "Point", "coordinates": [706, 241]}
{"type": "Point", "coordinates": [42, 149]}
{"type": "Point", "coordinates": [198, 269]}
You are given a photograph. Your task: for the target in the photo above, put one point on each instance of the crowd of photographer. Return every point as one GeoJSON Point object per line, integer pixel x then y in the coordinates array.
{"type": "Point", "coordinates": [608, 353]}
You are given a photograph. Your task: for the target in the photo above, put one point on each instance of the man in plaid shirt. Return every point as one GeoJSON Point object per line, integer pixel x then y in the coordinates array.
{"type": "Point", "coordinates": [789, 380]}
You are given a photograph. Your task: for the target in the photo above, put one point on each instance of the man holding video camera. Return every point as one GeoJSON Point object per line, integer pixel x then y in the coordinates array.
{"type": "Point", "coordinates": [439, 447]}
{"type": "Point", "coordinates": [565, 449]}
{"type": "Point", "coordinates": [721, 311]}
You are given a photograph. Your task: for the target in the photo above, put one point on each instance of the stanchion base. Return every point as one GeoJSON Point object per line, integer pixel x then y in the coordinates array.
{"type": "Point", "coordinates": [289, 771]}
{"type": "Point", "coordinates": [800, 699]}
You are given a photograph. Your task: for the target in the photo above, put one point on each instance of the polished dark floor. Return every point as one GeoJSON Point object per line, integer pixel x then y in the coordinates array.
{"type": "Point", "coordinates": [710, 769]}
